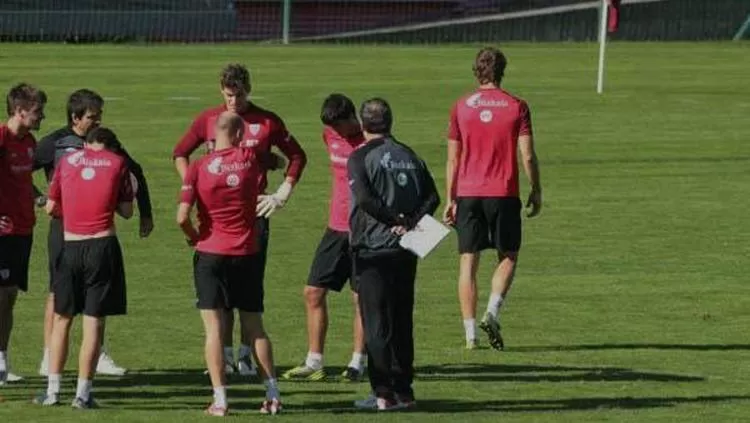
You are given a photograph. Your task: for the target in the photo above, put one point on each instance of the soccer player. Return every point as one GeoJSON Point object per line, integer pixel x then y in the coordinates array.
{"type": "Point", "coordinates": [391, 189]}
{"type": "Point", "coordinates": [224, 184]}
{"type": "Point", "coordinates": [487, 127]}
{"type": "Point", "coordinates": [263, 130]}
{"type": "Point", "coordinates": [84, 114]}
{"type": "Point", "coordinates": [332, 265]}
{"type": "Point", "coordinates": [89, 186]}
{"type": "Point", "coordinates": [25, 107]}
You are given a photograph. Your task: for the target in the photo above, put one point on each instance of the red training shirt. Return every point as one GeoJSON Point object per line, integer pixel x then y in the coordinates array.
{"type": "Point", "coordinates": [16, 184]}
{"type": "Point", "coordinates": [487, 124]}
{"type": "Point", "coordinates": [264, 129]}
{"type": "Point", "coordinates": [88, 185]}
{"type": "Point", "coordinates": [224, 185]}
{"type": "Point", "coordinates": [339, 149]}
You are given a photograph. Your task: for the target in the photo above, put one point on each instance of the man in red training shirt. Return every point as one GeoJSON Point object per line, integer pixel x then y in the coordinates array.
{"type": "Point", "coordinates": [25, 106]}
{"type": "Point", "coordinates": [487, 127]}
{"type": "Point", "coordinates": [89, 186]}
{"type": "Point", "coordinates": [332, 265]}
{"type": "Point", "coordinates": [263, 130]}
{"type": "Point", "coordinates": [224, 185]}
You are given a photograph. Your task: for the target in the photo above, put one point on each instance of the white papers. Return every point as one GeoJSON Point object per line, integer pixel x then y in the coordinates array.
{"type": "Point", "coordinates": [424, 237]}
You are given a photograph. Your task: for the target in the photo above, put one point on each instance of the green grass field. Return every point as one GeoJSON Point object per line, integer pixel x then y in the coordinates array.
{"type": "Point", "coordinates": [631, 300]}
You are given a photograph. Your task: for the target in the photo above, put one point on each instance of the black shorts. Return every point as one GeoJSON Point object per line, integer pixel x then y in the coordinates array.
{"type": "Point", "coordinates": [55, 240]}
{"type": "Point", "coordinates": [15, 253]}
{"type": "Point", "coordinates": [488, 222]}
{"type": "Point", "coordinates": [332, 265]}
{"type": "Point", "coordinates": [91, 279]}
{"type": "Point", "coordinates": [228, 282]}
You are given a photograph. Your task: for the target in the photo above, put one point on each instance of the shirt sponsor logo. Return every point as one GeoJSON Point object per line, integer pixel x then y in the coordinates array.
{"type": "Point", "coordinates": [485, 116]}
{"type": "Point", "coordinates": [402, 179]}
{"type": "Point", "coordinates": [216, 167]}
{"type": "Point", "coordinates": [20, 168]}
{"type": "Point", "coordinates": [476, 101]}
{"type": "Point", "coordinates": [338, 159]}
{"type": "Point", "coordinates": [250, 143]}
{"type": "Point", "coordinates": [387, 163]}
{"type": "Point", "coordinates": [233, 180]}
{"type": "Point", "coordinates": [88, 173]}
{"type": "Point", "coordinates": [77, 159]}
{"type": "Point", "coordinates": [186, 188]}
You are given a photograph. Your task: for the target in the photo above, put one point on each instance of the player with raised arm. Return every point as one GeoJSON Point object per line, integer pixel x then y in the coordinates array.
{"type": "Point", "coordinates": [89, 186]}
{"type": "Point", "coordinates": [224, 186]}
{"type": "Point", "coordinates": [487, 128]}
{"type": "Point", "coordinates": [263, 130]}
{"type": "Point", "coordinates": [332, 265]}
{"type": "Point", "coordinates": [25, 107]}
{"type": "Point", "coordinates": [84, 113]}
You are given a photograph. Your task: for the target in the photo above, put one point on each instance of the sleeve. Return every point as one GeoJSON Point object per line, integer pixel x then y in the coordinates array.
{"type": "Point", "coordinates": [44, 153]}
{"type": "Point", "coordinates": [454, 131]}
{"type": "Point", "coordinates": [189, 184]}
{"type": "Point", "coordinates": [193, 138]}
{"type": "Point", "coordinates": [291, 149]}
{"type": "Point", "coordinates": [430, 198]}
{"type": "Point", "coordinates": [55, 190]}
{"type": "Point", "coordinates": [142, 196]}
{"type": "Point", "coordinates": [125, 195]}
{"type": "Point", "coordinates": [364, 195]}
{"type": "Point", "coordinates": [525, 120]}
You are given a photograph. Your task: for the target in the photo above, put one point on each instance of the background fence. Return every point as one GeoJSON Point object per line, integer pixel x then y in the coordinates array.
{"type": "Point", "coordinates": [402, 21]}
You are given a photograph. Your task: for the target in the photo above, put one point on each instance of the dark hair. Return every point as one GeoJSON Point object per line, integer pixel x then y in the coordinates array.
{"type": "Point", "coordinates": [81, 101]}
{"type": "Point", "coordinates": [376, 116]}
{"type": "Point", "coordinates": [104, 136]}
{"type": "Point", "coordinates": [489, 66]}
{"type": "Point", "coordinates": [337, 108]}
{"type": "Point", "coordinates": [235, 76]}
{"type": "Point", "coordinates": [24, 96]}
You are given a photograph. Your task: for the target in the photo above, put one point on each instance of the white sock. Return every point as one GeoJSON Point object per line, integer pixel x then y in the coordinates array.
{"type": "Point", "coordinates": [244, 351]}
{"type": "Point", "coordinates": [220, 396]}
{"type": "Point", "coordinates": [470, 328]}
{"type": "Point", "coordinates": [314, 360]}
{"type": "Point", "coordinates": [493, 305]}
{"type": "Point", "coordinates": [83, 391]}
{"type": "Point", "coordinates": [358, 361]}
{"type": "Point", "coordinates": [229, 355]}
{"type": "Point", "coordinates": [272, 390]}
{"type": "Point", "coordinates": [45, 356]}
{"type": "Point", "coordinates": [3, 361]}
{"type": "Point", "coordinates": [53, 384]}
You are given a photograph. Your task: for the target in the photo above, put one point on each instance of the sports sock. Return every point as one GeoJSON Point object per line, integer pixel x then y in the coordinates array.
{"type": "Point", "coordinates": [272, 389]}
{"type": "Point", "coordinates": [220, 396]}
{"type": "Point", "coordinates": [83, 391]}
{"type": "Point", "coordinates": [314, 360]}
{"type": "Point", "coordinates": [3, 361]}
{"type": "Point", "coordinates": [229, 355]}
{"type": "Point", "coordinates": [470, 328]}
{"type": "Point", "coordinates": [493, 305]}
{"type": "Point", "coordinates": [53, 384]}
{"type": "Point", "coordinates": [358, 361]}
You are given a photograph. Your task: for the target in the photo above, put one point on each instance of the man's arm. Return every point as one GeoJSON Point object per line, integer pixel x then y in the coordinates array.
{"type": "Point", "coordinates": [430, 199]}
{"type": "Point", "coordinates": [365, 197]}
{"type": "Point", "coordinates": [193, 138]}
{"type": "Point", "coordinates": [451, 166]}
{"type": "Point", "coordinates": [142, 196]}
{"type": "Point", "coordinates": [44, 158]}
{"type": "Point", "coordinates": [187, 198]}
{"type": "Point", "coordinates": [55, 195]}
{"type": "Point", "coordinates": [125, 195]}
{"type": "Point", "coordinates": [530, 161]}
{"type": "Point", "coordinates": [297, 160]}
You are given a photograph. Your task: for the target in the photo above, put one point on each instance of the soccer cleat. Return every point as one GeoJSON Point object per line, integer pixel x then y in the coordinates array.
{"type": "Point", "coordinates": [12, 377]}
{"type": "Point", "coordinates": [472, 344]}
{"type": "Point", "coordinates": [369, 403]}
{"type": "Point", "coordinates": [270, 407]}
{"type": "Point", "coordinates": [46, 399]}
{"type": "Point", "coordinates": [107, 366]}
{"type": "Point", "coordinates": [303, 372]}
{"type": "Point", "coordinates": [246, 367]}
{"type": "Point", "coordinates": [352, 375]}
{"type": "Point", "coordinates": [216, 411]}
{"type": "Point", "coordinates": [389, 404]}
{"type": "Point", "coordinates": [80, 404]}
{"type": "Point", "coordinates": [491, 327]}
{"type": "Point", "coordinates": [406, 401]}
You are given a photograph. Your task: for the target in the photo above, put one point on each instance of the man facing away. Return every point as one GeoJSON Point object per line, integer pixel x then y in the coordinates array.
{"type": "Point", "coordinates": [263, 130]}
{"type": "Point", "coordinates": [84, 111]}
{"type": "Point", "coordinates": [332, 265]}
{"type": "Point", "coordinates": [487, 127]}
{"type": "Point", "coordinates": [224, 185]}
{"type": "Point", "coordinates": [89, 186]}
{"type": "Point", "coordinates": [391, 189]}
{"type": "Point", "coordinates": [25, 107]}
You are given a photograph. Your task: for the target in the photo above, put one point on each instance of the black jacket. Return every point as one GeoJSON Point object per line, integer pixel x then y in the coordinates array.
{"type": "Point", "coordinates": [61, 142]}
{"type": "Point", "coordinates": [390, 186]}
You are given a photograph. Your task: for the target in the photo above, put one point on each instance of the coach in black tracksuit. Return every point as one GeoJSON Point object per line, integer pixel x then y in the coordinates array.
{"type": "Point", "coordinates": [391, 190]}
{"type": "Point", "coordinates": [84, 111]}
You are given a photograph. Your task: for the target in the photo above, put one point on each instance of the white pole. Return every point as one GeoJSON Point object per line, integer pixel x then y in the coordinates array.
{"type": "Point", "coordinates": [602, 46]}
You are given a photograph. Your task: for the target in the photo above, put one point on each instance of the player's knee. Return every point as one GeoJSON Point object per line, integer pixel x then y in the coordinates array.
{"type": "Point", "coordinates": [314, 297]}
{"type": "Point", "coordinates": [511, 256]}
